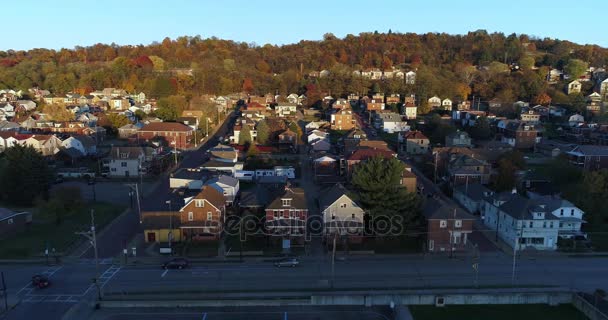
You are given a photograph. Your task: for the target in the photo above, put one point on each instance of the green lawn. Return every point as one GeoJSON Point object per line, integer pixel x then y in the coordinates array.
{"type": "Point", "coordinates": [497, 312]}
{"type": "Point", "coordinates": [32, 241]}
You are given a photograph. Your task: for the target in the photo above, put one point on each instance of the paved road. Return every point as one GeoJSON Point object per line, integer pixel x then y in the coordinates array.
{"type": "Point", "coordinates": [247, 313]}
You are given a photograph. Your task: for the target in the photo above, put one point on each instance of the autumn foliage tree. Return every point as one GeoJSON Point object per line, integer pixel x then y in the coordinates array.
{"type": "Point", "coordinates": [542, 99]}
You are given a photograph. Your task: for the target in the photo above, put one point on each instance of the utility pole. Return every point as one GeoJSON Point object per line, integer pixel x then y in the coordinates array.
{"type": "Point", "coordinates": [93, 239]}
{"type": "Point", "coordinates": [452, 235]}
{"type": "Point", "coordinates": [517, 235]}
{"type": "Point", "coordinates": [136, 189]}
{"type": "Point", "coordinates": [170, 235]}
{"type": "Point", "coordinates": [436, 154]}
{"type": "Point", "coordinates": [333, 260]}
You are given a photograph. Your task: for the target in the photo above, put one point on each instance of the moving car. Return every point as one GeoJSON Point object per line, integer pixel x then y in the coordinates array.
{"type": "Point", "coordinates": [288, 262]}
{"type": "Point", "coordinates": [40, 281]}
{"type": "Point", "coordinates": [177, 263]}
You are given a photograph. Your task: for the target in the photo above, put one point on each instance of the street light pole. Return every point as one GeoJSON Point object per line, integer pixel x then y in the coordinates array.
{"type": "Point", "coordinates": [91, 235]}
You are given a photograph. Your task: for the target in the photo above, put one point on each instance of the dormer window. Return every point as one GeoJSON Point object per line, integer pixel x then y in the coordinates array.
{"type": "Point", "coordinates": [124, 155]}
{"type": "Point", "coordinates": [199, 203]}
{"type": "Point", "coordinates": [286, 202]}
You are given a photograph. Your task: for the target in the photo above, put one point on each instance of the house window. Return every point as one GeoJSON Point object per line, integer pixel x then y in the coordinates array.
{"type": "Point", "coordinates": [209, 216]}
{"type": "Point", "coordinates": [190, 216]}
{"type": "Point", "coordinates": [9, 221]}
{"type": "Point", "coordinates": [199, 203]}
{"type": "Point", "coordinates": [333, 216]}
{"type": "Point", "coordinates": [286, 202]}
{"type": "Point", "coordinates": [561, 224]}
{"type": "Point", "coordinates": [571, 212]}
{"type": "Point", "coordinates": [113, 170]}
{"type": "Point", "coordinates": [123, 164]}
{"type": "Point", "coordinates": [443, 223]}
{"type": "Point", "coordinates": [551, 224]}
{"type": "Point", "coordinates": [458, 223]}
{"type": "Point", "coordinates": [342, 205]}
{"type": "Point", "coordinates": [531, 224]}
{"type": "Point", "coordinates": [544, 224]}
{"type": "Point", "coordinates": [275, 214]}
{"type": "Point", "coordinates": [561, 212]}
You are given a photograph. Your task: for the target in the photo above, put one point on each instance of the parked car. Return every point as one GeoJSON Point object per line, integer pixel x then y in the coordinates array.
{"type": "Point", "coordinates": [176, 263]}
{"type": "Point", "coordinates": [288, 262]}
{"type": "Point", "coordinates": [40, 281]}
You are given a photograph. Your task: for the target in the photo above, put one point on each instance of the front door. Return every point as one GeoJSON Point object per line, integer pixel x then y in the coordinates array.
{"type": "Point", "coordinates": [151, 237]}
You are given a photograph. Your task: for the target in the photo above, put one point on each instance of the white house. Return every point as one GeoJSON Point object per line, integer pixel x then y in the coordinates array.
{"type": "Point", "coordinates": [574, 87]}
{"type": "Point", "coordinates": [570, 217]}
{"type": "Point", "coordinates": [84, 144]}
{"type": "Point", "coordinates": [293, 98]}
{"type": "Point", "coordinates": [410, 111]}
{"type": "Point", "coordinates": [604, 89]}
{"type": "Point", "coordinates": [575, 119]}
{"type": "Point", "coordinates": [286, 109]}
{"type": "Point", "coordinates": [227, 185]}
{"type": "Point", "coordinates": [410, 77]}
{"type": "Point", "coordinates": [391, 122]}
{"type": "Point", "coordinates": [313, 125]}
{"type": "Point", "coordinates": [521, 222]}
{"type": "Point", "coordinates": [434, 102]}
{"type": "Point", "coordinates": [317, 135]}
{"type": "Point", "coordinates": [446, 104]}
{"type": "Point", "coordinates": [125, 161]}
{"type": "Point", "coordinates": [341, 214]}
{"type": "Point", "coordinates": [320, 145]}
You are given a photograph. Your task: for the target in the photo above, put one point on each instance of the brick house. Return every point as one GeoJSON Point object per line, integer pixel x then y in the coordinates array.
{"type": "Point", "coordinates": [520, 135]}
{"type": "Point", "coordinates": [202, 217]}
{"type": "Point", "coordinates": [177, 135]}
{"type": "Point", "coordinates": [589, 157]}
{"type": "Point", "coordinates": [342, 120]}
{"type": "Point", "coordinates": [364, 153]}
{"type": "Point", "coordinates": [375, 104]}
{"type": "Point", "coordinates": [286, 215]}
{"type": "Point", "coordinates": [448, 229]}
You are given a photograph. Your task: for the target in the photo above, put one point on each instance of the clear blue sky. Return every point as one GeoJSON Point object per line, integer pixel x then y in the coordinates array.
{"type": "Point", "coordinates": [67, 23]}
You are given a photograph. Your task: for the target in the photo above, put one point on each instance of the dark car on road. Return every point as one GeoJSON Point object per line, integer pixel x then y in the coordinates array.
{"type": "Point", "coordinates": [288, 262]}
{"type": "Point", "coordinates": [40, 281]}
{"type": "Point", "coordinates": [177, 263]}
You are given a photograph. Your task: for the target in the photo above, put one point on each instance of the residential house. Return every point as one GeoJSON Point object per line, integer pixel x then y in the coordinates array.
{"type": "Point", "coordinates": [286, 215]}
{"type": "Point", "coordinates": [446, 104]}
{"type": "Point", "coordinates": [594, 104]}
{"type": "Point", "coordinates": [448, 229]}
{"type": "Point", "coordinates": [414, 142]}
{"type": "Point", "coordinates": [12, 222]}
{"type": "Point", "coordinates": [471, 196]}
{"type": "Point", "coordinates": [575, 120]}
{"type": "Point", "coordinates": [177, 135]}
{"type": "Point", "coordinates": [47, 145]}
{"type": "Point", "coordinates": [288, 140]}
{"type": "Point", "coordinates": [84, 144]}
{"type": "Point", "coordinates": [342, 120]}
{"type": "Point", "coordinates": [325, 166]}
{"type": "Point", "coordinates": [363, 152]}
{"type": "Point", "coordinates": [410, 110]}
{"type": "Point", "coordinates": [353, 139]}
{"type": "Point", "coordinates": [570, 216]}
{"type": "Point", "coordinates": [464, 169]}
{"type": "Point", "coordinates": [530, 116]}
{"type": "Point", "coordinates": [409, 179]}
{"type": "Point", "coordinates": [434, 102]}
{"type": "Point", "coordinates": [293, 98]}
{"type": "Point", "coordinates": [128, 130]}
{"type": "Point", "coordinates": [8, 139]}
{"type": "Point", "coordinates": [317, 135]}
{"type": "Point", "coordinates": [393, 99]}
{"type": "Point", "coordinates": [554, 75]}
{"type": "Point", "coordinates": [191, 122]}
{"type": "Point", "coordinates": [315, 125]}
{"type": "Point", "coordinates": [125, 161]}
{"type": "Point", "coordinates": [342, 217]}
{"type": "Point", "coordinates": [119, 103]}
{"type": "Point", "coordinates": [458, 139]}
{"type": "Point", "coordinates": [410, 77]}
{"type": "Point", "coordinates": [25, 105]}
{"type": "Point", "coordinates": [228, 186]}
{"type": "Point", "coordinates": [9, 126]}
{"type": "Point", "coordinates": [589, 157]}
{"type": "Point", "coordinates": [390, 122]}
{"type": "Point", "coordinates": [321, 145]}
{"type": "Point", "coordinates": [519, 134]}
{"type": "Point", "coordinates": [521, 222]}
{"type": "Point", "coordinates": [375, 104]}
{"type": "Point", "coordinates": [574, 87]}
{"type": "Point", "coordinates": [202, 217]}
{"type": "Point", "coordinates": [604, 89]}
{"type": "Point", "coordinates": [193, 113]}
{"type": "Point", "coordinates": [286, 109]}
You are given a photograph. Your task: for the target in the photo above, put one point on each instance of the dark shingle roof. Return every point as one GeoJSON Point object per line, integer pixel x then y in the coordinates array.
{"type": "Point", "coordinates": [474, 191]}
{"type": "Point", "coordinates": [298, 200]}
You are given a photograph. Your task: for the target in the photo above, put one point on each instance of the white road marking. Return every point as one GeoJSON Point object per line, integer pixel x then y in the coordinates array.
{"type": "Point", "coordinates": [285, 316]}
{"type": "Point", "coordinates": [205, 316]}
{"type": "Point", "coordinates": [164, 273]}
